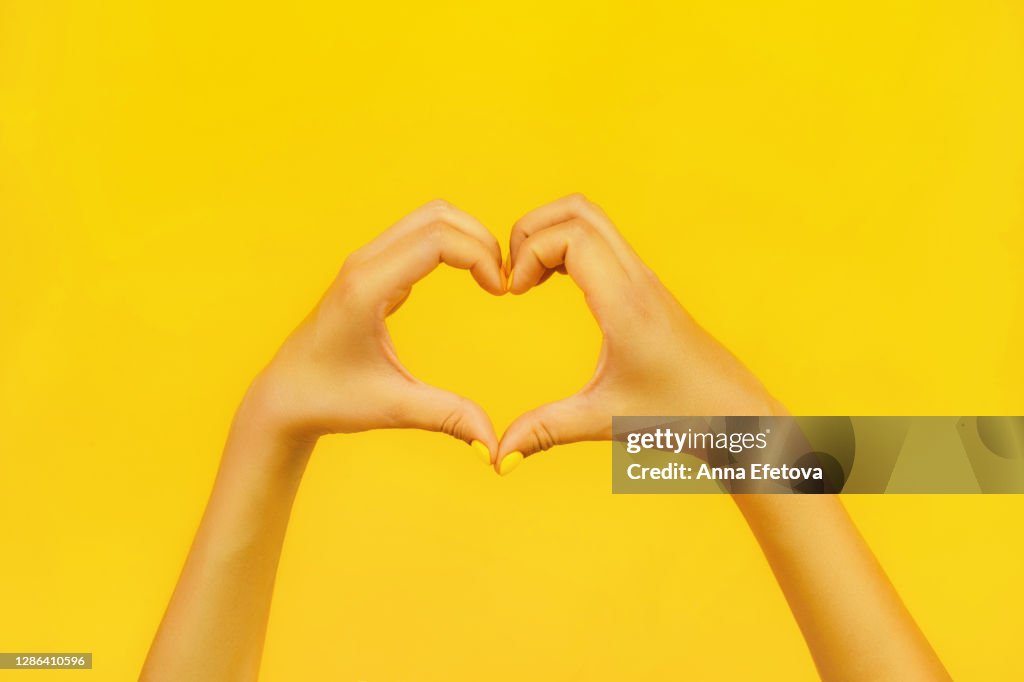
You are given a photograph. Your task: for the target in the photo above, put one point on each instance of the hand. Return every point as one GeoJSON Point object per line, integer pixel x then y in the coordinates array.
{"type": "Point", "coordinates": [338, 372]}
{"type": "Point", "coordinates": [654, 360]}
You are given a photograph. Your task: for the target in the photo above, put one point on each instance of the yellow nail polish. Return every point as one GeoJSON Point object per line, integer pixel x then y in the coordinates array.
{"type": "Point", "coordinates": [480, 449]}
{"type": "Point", "coordinates": [510, 462]}
{"type": "Point", "coordinates": [508, 285]}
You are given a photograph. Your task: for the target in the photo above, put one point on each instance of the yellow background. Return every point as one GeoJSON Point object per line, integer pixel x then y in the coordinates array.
{"type": "Point", "coordinates": [834, 189]}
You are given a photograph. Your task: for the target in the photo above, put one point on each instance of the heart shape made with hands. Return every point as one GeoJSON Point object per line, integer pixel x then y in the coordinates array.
{"type": "Point", "coordinates": [339, 371]}
{"type": "Point", "coordinates": [570, 236]}
{"type": "Point", "coordinates": [653, 359]}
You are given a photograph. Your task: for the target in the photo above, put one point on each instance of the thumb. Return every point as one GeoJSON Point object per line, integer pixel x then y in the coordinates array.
{"type": "Point", "coordinates": [433, 409]}
{"type": "Point", "coordinates": [565, 421]}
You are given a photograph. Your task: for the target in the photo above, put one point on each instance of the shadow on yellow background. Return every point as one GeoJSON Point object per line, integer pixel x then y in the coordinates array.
{"type": "Point", "coordinates": [835, 190]}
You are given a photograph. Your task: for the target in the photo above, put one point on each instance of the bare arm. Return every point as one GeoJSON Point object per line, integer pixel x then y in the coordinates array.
{"type": "Point", "coordinates": [217, 618]}
{"type": "Point", "coordinates": [853, 621]}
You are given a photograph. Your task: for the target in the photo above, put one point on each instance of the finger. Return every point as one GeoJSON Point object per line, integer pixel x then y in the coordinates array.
{"type": "Point", "coordinates": [433, 409]}
{"type": "Point", "coordinates": [547, 275]}
{"type": "Point", "coordinates": [567, 208]}
{"type": "Point", "coordinates": [388, 277]}
{"type": "Point", "coordinates": [578, 247]}
{"type": "Point", "coordinates": [437, 210]}
{"type": "Point", "coordinates": [398, 304]}
{"type": "Point", "coordinates": [565, 421]}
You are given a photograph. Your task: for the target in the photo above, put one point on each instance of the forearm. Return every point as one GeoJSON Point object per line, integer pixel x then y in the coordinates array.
{"type": "Point", "coordinates": [216, 620]}
{"type": "Point", "coordinates": [854, 622]}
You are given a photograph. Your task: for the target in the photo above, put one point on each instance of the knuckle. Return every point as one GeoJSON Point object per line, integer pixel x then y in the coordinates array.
{"type": "Point", "coordinates": [351, 288]}
{"type": "Point", "coordinates": [438, 205]}
{"type": "Point", "coordinates": [579, 229]}
{"type": "Point", "coordinates": [454, 422]}
{"type": "Point", "coordinates": [542, 436]}
{"type": "Point", "coordinates": [578, 200]}
{"type": "Point", "coordinates": [350, 263]}
{"type": "Point", "coordinates": [435, 231]}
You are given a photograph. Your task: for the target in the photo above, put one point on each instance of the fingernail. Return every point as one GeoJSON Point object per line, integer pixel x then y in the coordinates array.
{"type": "Point", "coordinates": [508, 285]}
{"type": "Point", "coordinates": [480, 449]}
{"type": "Point", "coordinates": [510, 462]}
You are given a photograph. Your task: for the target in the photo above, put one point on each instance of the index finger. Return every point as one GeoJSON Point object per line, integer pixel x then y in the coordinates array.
{"type": "Point", "coordinates": [574, 206]}
{"type": "Point", "coordinates": [388, 277]}
{"type": "Point", "coordinates": [587, 258]}
{"type": "Point", "coordinates": [437, 210]}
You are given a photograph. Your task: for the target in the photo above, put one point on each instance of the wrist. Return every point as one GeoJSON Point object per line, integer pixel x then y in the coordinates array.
{"type": "Point", "coordinates": [263, 431]}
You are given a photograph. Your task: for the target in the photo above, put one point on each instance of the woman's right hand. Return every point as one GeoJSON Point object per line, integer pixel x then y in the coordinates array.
{"type": "Point", "coordinates": [655, 359]}
{"type": "Point", "coordinates": [338, 371]}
